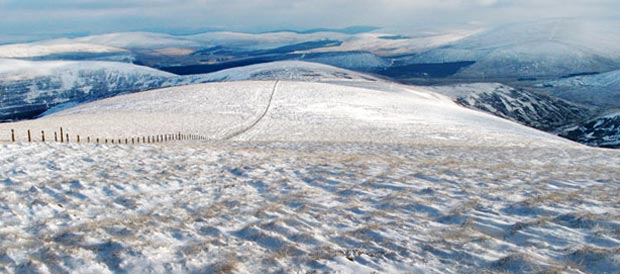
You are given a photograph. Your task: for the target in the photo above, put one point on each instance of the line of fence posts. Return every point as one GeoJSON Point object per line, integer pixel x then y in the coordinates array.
{"type": "Point", "coordinates": [160, 138]}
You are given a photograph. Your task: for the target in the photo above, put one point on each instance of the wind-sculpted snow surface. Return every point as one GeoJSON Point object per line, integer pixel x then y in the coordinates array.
{"type": "Point", "coordinates": [307, 207]}
{"type": "Point", "coordinates": [318, 177]}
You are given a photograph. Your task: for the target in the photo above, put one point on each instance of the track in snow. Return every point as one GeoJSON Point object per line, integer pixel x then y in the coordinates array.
{"type": "Point", "coordinates": [260, 117]}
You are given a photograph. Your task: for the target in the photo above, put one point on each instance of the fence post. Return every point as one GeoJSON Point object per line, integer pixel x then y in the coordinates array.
{"type": "Point", "coordinates": [78, 138]}
{"type": "Point", "coordinates": [29, 137]}
{"type": "Point", "coordinates": [88, 139]}
{"type": "Point", "coordinates": [132, 141]}
{"type": "Point", "coordinates": [13, 135]}
{"type": "Point", "coordinates": [97, 140]}
{"type": "Point", "coordinates": [126, 141]}
{"type": "Point", "coordinates": [67, 137]}
{"type": "Point", "coordinates": [55, 136]}
{"type": "Point", "coordinates": [43, 136]}
{"type": "Point", "coordinates": [62, 136]}
{"type": "Point", "coordinates": [106, 140]}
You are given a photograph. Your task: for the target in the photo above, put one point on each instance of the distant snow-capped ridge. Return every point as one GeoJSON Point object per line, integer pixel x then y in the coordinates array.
{"type": "Point", "coordinates": [547, 48]}
{"type": "Point", "coordinates": [594, 89]}
{"type": "Point", "coordinates": [284, 70]}
{"type": "Point", "coordinates": [29, 88]}
{"type": "Point", "coordinates": [603, 131]}
{"type": "Point", "coordinates": [34, 50]}
{"type": "Point", "coordinates": [528, 108]}
{"type": "Point", "coordinates": [288, 111]}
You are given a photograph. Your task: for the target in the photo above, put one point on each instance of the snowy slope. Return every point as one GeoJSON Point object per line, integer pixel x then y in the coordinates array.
{"type": "Point", "coordinates": [30, 88]}
{"type": "Point", "coordinates": [531, 109]}
{"type": "Point", "coordinates": [283, 70]}
{"type": "Point", "coordinates": [35, 50]}
{"type": "Point", "coordinates": [136, 40]}
{"type": "Point", "coordinates": [314, 177]}
{"type": "Point", "coordinates": [360, 61]}
{"type": "Point", "coordinates": [293, 111]}
{"type": "Point", "coordinates": [548, 48]}
{"type": "Point", "coordinates": [598, 90]}
{"type": "Point", "coordinates": [602, 131]}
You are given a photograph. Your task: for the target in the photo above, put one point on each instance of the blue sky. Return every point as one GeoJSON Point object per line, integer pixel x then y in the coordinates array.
{"type": "Point", "coordinates": [57, 17]}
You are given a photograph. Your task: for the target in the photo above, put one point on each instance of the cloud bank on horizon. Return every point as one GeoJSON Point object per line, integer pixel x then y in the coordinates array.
{"type": "Point", "coordinates": [44, 17]}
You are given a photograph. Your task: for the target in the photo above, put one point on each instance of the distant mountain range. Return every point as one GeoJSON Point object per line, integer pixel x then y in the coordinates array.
{"type": "Point", "coordinates": [560, 75]}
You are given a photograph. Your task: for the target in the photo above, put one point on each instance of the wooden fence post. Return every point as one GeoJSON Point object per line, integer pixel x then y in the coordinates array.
{"type": "Point", "coordinates": [55, 136]}
{"type": "Point", "coordinates": [62, 136]}
{"type": "Point", "coordinates": [97, 140]}
{"type": "Point", "coordinates": [126, 141]}
{"type": "Point", "coordinates": [29, 137]}
{"type": "Point", "coordinates": [106, 140]}
{"type": "Point", "coordinates": [67, 137]}
{"type": "Point", "coordinates": [43, 136]}
{"type": "Point", "coordinates": [132, 141]}
{"type": "Point", "coordinates": [13, 135]}
{"type": "Point", "coordinates": [88, 139]}
{"type": "Point", "coordinates": [78, 138]}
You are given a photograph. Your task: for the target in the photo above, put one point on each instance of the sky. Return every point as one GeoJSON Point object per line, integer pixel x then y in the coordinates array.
{"type": "Point", "coordinates": [29, 18]}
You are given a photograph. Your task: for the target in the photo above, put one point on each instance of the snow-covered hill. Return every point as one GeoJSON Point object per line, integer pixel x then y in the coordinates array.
{"type": "Point", "coordinates": [293, 111]}
{"type": "Point", "coordinates": [53, 49]}
{"type": "Point", "coordinates": [599, 89]}
{"type": "Point", "coordinates": [283, 70]}
{"type": "Point", "coordinates": [31, 88]}
{"type": "Point", "coordinates": [303, 177]}
{"type": "Point", "coordinates": [136, 40]}
{"type": "Point", "coordinates": [548, 48]}
{"type": "Point", "coordinates": [603, 131]}
{"type": "Point", "coordinates": [354, 51]}
{"type": "Point", "coordinates": [28, 89]}
{"type": "Point", "coordinates": [528, 108]}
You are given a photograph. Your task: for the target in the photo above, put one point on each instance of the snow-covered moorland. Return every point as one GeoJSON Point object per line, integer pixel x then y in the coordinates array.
{"type": "Point", "coordinates": [304, 177]}
{"type": "Point", "coordinates": [204, 208]}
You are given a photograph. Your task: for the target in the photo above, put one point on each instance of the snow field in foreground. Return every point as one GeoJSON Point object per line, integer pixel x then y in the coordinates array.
{"type": "Point", "coordinates": [296, 207]}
